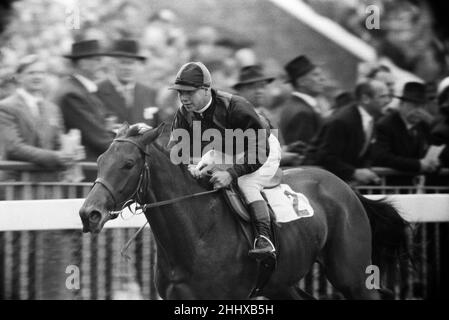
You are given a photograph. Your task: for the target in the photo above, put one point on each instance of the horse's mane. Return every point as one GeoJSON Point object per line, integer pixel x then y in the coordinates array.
{"type": "Point", "coordinates": [133, 132]}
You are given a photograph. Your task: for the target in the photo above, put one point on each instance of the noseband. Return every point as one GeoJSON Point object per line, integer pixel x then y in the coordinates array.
{"type": "Point", "coordinates": [142, 185]}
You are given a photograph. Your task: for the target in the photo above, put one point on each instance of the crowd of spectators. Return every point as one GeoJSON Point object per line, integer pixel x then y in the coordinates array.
{"type": "Point", "coordinates": [117, 67]}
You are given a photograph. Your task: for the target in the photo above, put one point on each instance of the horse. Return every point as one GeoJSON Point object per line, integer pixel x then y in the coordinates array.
{"type": "Point", "coordinates": [202, 250]}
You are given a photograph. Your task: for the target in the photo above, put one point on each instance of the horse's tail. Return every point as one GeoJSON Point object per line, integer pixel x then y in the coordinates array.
{"type": "Point", "coordinates": [389, 233]}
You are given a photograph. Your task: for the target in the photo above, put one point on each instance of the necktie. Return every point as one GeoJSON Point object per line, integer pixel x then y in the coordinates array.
{"type": "Point", "coordinates": [128, 94]}
{"type": "Point", "coordinates": [368, 135]}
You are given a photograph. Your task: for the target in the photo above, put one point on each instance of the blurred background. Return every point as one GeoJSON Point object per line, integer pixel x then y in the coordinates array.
{"type": "Point", "coordinates": [228, 35]}
{"type": "Point", "coordinates": [412, 39]}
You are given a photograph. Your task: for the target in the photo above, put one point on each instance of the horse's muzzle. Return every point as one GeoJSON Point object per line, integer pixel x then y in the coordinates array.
{"type": "Point", "coordinates": [93, 220]}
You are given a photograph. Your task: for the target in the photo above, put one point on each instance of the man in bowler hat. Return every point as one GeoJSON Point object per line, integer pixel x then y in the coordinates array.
{"type": "Point", "coordinates": [403, 136]}
{"type": "Point", "coordinates": [77, 97]}
{"type": "Point", "coordinates": [301, 113]}
{"type": "Point", "coordinates": [124, 97]}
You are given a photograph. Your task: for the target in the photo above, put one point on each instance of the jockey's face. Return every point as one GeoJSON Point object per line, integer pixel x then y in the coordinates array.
{"type": "Point", "coordinates": [194, 100]}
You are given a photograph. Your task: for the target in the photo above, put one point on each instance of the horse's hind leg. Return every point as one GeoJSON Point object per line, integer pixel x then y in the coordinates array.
{"type": "Point", "coordinates": [347, 253]}
{"type": "Point", "coordinates": [346, 271]}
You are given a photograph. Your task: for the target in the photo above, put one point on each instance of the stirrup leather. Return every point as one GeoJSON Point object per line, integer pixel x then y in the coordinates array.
{"type": "Point", "coordinates": [266, 238]}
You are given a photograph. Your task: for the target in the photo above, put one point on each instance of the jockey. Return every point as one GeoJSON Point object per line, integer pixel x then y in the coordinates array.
{"type": "Point", "coordinates": [214, 109]}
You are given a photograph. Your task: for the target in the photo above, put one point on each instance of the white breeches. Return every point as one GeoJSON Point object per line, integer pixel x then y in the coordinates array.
{"type": "Point", "coordinates": [252, 184]}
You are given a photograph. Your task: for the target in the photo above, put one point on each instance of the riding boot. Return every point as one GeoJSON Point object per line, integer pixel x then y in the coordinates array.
{"type": "Point", "coordinates": [263, 246]}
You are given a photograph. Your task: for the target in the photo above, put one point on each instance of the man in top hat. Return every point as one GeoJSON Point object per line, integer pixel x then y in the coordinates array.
{"type": "Point", "coordinates": [124, 97]}
{"type": "Point", "coordinates": [206, 108]}
{"type": "Point", "coordinates": [302, 113]}
{"type": "Point", "coordinates": [77, 97]}
{"type": "Point", "coordinates": [342, 145]}
{"type": "Point", "coordinates": [403, 136]}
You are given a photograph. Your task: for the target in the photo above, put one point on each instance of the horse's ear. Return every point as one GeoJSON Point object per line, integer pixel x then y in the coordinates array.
{"type": "Point", "coordinates": [123, 129]}
{"type": "Point", "coordinates": [152, 134]}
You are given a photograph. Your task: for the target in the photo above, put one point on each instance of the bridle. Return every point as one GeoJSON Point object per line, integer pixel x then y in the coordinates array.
{"type": "Point", "coordinates": [138, 195]}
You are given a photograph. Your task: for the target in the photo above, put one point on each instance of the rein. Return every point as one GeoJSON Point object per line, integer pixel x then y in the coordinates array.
{"type": "Point", "coordinates": [137, 195]}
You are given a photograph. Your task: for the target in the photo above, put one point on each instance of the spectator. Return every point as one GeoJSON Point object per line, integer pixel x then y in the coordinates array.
{"type": "Point", "coordinates": [301, 114]}
{"type": "Point", "coordinates": [124, 97]}
{"type": "Point", "coordinates": [403, 136]}
{"type": "Point", "coordinates": [440, 132]}
{"type": "Point", "coordinates": [342, 146]}
{"type": "Point", "coordinates": [251, 85]}
{"type": "Point", "coordinates": [383, 73]}
{"type": "Point", "coordinates": [32, 124]}
{"type": "Point", "coordinates": [81, 107]}
{"type": "Point", "coordinates": [342, 99]}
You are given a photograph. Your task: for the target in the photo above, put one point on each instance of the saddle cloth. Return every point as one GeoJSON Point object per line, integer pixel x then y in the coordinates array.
{"type": "Point", "coordinates": [286, 204]}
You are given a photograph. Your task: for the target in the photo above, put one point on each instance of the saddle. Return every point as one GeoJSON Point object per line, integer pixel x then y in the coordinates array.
{"type": "Point", "coordinates": [237, 203]}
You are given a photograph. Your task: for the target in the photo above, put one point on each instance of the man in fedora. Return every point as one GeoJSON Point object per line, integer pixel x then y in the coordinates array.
{"type": "Point", "coordinates": [81, 108]}
{"type": "Point", "coordinates": [402, 137]}
{"type": "Point", "coordinates": [124, 97]}
{"type": "Point", "coordinates": [251, 85]}
{"type": "Point", "coordinates": [301, 113]}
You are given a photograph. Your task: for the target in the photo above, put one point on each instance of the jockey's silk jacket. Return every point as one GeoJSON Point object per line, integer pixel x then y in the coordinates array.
{"type": "Point", "coordinates": [228, 111]}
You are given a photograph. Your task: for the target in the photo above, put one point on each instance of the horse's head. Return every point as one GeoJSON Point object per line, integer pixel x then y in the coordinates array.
{"type": "Point", "coordinates": [121, 170]}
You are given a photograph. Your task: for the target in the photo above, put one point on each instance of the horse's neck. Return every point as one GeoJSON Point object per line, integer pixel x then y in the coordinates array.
{"type": "Point", "coordinates": [169, 180]}
{"type": "Point", "coordinates": [178, 226]}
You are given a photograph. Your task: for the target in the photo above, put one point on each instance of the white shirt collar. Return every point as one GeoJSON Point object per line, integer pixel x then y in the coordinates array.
{"type": "Point", "coordinates": [87, 83]}
{"type": "Point", "coordinates": [205, 108]}
{"type": "Point", "coordinates": [30, 100]}
{"type": "Point", "coordinates": [308, 99]}
{"type": "Point", "coordinates": [367, 119]}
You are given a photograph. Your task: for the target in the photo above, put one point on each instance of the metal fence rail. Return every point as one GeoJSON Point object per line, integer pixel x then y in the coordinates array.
{"type": "Point", "coordinates": [33, 264]}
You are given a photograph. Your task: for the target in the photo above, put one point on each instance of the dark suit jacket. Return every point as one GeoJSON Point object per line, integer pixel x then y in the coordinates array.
{"type": "Point", "coordinates": [398, 148]}
{"type": "Point", "coordinates": [144, 98]}
{"type": "Point", "coordinates": [440, 135]}
{"type": "Point", "coordinates": [338, 145]}
{"type": "Point", "coordinates": [298, 121]}
{"type": "Point", "coordinates": [83, 110]}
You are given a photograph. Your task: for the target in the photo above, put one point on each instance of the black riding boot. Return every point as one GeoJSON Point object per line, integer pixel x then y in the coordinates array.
{"type": "Point", "coordinates": [263, 246]}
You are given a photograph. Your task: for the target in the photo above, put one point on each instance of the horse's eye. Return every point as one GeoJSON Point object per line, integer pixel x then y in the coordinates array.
{"type": "Point", "coordinates": [128, 165]}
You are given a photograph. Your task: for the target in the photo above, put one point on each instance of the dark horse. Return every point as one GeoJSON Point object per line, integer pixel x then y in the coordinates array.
{"type": "Point", "coordinates": [202, 251]}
